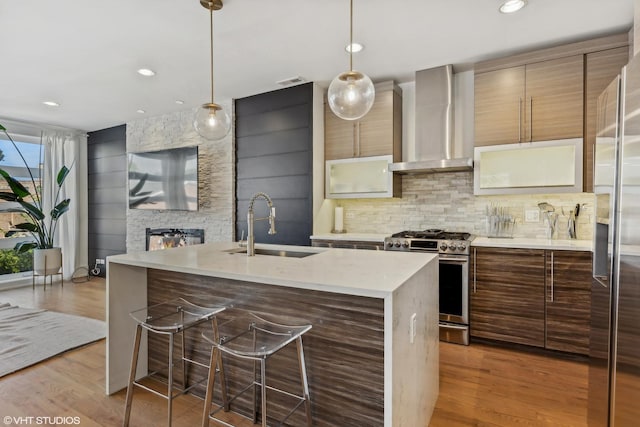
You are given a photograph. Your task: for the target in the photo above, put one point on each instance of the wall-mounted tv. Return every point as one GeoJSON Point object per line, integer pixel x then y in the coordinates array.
{"type": "Point", "coordinates": [164, 179]}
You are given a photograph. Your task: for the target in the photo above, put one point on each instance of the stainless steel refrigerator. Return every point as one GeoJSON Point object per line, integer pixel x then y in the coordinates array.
{"type": "Point", "coordinates": [614, 371]}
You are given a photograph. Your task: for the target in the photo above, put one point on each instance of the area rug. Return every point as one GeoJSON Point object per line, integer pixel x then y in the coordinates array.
{"type": "Point", "coordinates": [29, 336]}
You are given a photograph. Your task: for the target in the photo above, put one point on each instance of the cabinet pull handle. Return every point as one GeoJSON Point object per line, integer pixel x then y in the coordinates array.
{"type": "Point", "coordinates": [353, 142]}
{"type": "Point", "coordinates": [552, 276]}
{"type": "Point", "coordinates": [519, 120]}
{"type": "Point", "coordinates": [474, 270]}
{"type": "Point", "coordinates": [358, 141]}
{"type": "Point", "coordinates": [530, 118]}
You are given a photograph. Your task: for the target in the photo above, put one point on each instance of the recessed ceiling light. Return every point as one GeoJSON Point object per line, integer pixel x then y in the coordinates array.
{"type": "Point", "coordinates": [179, 101]}
{"type": "Point", "coordinates": [354, 47]}
{"type": "Point", "coordinates": [140, 111]}
{"type": "Point", "coordinates": [51, 103]}
{"type": "Point", "coordinates": [510, 6]}
{"type": "Point", "coordinates": [146, 72]}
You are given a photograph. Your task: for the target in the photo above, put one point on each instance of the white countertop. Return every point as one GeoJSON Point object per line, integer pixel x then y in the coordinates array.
{"type": "Point", "coordinates": [356, 237]}
{"type": "Point", "coordinates": [355, 272]}
{"type": "Point", "coordinates": [571, 245]}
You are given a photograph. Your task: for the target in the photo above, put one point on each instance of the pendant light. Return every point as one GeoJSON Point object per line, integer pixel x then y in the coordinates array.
{"type": "Point", "coordinates": [211, 121]}
{"type": "Point", "coordinates": [351, 94]}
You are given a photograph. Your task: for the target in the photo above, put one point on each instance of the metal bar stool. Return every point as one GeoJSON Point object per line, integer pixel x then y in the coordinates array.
{"type": "Point", "coordinates": [171, 318]}
{"type": "Point", "coordinates": [247, 336]}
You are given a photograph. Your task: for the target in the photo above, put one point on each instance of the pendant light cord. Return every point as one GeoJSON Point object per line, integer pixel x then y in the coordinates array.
{"type": "Point", "coordinates": [211, 26]}
{"type": "Point", "coordinates": [351, 36]}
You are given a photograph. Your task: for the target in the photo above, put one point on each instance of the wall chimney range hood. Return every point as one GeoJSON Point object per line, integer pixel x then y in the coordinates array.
{"type": "Point", "coordinates": [434, 116]}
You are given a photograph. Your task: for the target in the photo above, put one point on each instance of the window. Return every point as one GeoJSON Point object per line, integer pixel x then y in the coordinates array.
{"type": "Point", "coordinates": [10, 160]}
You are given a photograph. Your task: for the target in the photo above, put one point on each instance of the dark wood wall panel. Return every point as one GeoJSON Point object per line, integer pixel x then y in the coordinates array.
{"type": "Point", "coordinates": [274, 155]}
{"type": "Point", "coordinates": [344, 350]}
{"type": "Point", "coordinates": [107, 166]}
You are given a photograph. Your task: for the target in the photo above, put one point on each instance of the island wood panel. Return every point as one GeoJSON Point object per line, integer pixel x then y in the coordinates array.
{"type": "Point", "coordinates": [601, 68]}
{"type": "Point", "coordinates": [507, 295]}
{"type": "Point", "coordinates": [568, 301]}
{"type": "Point", "coordinates": [344, 350]}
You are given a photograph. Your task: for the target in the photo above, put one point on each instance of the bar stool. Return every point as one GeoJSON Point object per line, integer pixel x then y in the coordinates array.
{"type": "Point", "coordinates": [247, 336]}
{"type": "Point", "coordinates": [170, 318]}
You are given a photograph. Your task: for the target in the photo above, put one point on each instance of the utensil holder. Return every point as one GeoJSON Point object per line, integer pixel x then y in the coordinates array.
{"type": "Point", "coordinates": [499, 226]}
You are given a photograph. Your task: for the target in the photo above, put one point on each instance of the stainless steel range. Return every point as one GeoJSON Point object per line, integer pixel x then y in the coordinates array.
{"type": "Point", "coordinates": [453, 250]}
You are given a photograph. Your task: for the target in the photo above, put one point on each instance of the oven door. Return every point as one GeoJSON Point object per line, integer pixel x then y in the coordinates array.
{"type": "Point", "coordinates": [454, 289]}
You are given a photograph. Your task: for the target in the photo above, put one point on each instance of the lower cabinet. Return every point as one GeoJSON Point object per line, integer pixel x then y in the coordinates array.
{"type": "Point", "coordinates": [534, 297]}
{"type": "Point", "coordinates": [507, 295]}
{"type": "Point", "coordinates": [568, 301]}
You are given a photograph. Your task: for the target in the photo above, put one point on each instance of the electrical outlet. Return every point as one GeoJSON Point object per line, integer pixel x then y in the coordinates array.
{"type": "Point", "coordinates": [413, 322]}
{"type": "Point", "coordinates": [532, 215]}
{"type": "Point", "coordinates": [350, 215]}
{"type": "Point", "coordinates": [99, 261]}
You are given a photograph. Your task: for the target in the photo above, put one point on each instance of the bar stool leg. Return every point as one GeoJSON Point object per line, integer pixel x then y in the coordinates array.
{"type": "Point", "coordinates": [170, 381]}
{"type": "Point", "coordinates": [255, 382]}
{"type": "Point", "coordinates": [210, 383]}
{"type": "Point", "coordinates": [132, 376]}
{"type": "Point", "coordinates": [263, 378]}
{"type": "Point", "coordinates": [184, 364]}
{"type": "Point", "coordinates": [223, 378]}
{"type": "Point", "coordinates": [303, 380]}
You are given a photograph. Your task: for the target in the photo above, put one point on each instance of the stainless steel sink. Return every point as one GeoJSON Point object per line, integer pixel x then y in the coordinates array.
{"type": "Point", "coordinates": [273, 252]}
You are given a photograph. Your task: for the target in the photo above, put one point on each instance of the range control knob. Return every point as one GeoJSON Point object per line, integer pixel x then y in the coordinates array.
{"type": "Point", "coordinates": [405, 244]}
{"type": "Point", "coordinates": [443, 247]}
{"type": "Point", "coordinates": [397, 244]}
{"type": "Point", "coordinates": [452, 246]}
{"type": "Point", "coordinates": [390, 244]}
{"type": "Point", "coordinates": [462, 246]}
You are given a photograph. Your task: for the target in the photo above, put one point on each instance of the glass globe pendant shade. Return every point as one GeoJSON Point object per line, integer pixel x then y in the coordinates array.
{"type": "Point", "coordinates": [351, 95]}
{"type": "Point", "coordinates": [212, 122]}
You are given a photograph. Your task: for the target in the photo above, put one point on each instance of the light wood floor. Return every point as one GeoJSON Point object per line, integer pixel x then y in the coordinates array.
{"type": "Point", "coordinates": [480, 385]}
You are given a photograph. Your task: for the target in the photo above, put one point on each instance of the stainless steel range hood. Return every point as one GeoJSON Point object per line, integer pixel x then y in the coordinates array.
{"type": "Point", "coordinates": [434, 116]}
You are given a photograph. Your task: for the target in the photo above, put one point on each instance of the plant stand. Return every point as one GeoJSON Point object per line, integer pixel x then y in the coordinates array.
{"type": "Point", "coordinates": [44, 284]}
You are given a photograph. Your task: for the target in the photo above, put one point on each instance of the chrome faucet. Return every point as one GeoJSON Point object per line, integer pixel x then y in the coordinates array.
{"type": "Point", "coordinates": [250, 219]}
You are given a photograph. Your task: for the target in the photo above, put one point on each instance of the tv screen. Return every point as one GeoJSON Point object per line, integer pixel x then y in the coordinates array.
{"type": "Point", "coordinates": [164, 179]}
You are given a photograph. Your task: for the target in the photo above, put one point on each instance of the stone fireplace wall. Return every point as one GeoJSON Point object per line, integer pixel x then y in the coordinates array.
{"type": "Point", "coordinates": [215, 178]}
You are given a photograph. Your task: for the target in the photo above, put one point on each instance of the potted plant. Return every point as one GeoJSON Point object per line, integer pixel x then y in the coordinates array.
{"type": "Point", "coordinates": [41, 226]}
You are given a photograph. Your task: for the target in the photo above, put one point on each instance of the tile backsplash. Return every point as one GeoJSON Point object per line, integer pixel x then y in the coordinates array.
{"type": "Point", "coordinates": [446, 200]}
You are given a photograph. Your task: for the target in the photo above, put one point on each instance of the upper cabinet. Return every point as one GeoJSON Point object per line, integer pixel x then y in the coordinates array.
{"type": "Point", "coordinates": [547, 94]}
{"type": "Point", "coordinates": [601, 68]}
{"type": "Point", "coordinates": [378, 133]}
{"type": "Point", "coordinates": [539, 101]}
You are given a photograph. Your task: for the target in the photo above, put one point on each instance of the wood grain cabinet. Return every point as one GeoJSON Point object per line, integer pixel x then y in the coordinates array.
{"type": "Point", "coordinates": [378, 133]}
{"type": "Point", "coordinates": [568, 301]}
{"type": "Point", "coordinates": [540, 101]}
{"type": "Point", "coordinates": [507, 295]}
{"type": "Point", "coordinates": [601, 68]}
{"type": "Point", "coordinates": [531, 296]}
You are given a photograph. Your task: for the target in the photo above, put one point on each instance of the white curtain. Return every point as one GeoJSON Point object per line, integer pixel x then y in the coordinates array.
{"type": "Point", "coordinates": [62, 148]}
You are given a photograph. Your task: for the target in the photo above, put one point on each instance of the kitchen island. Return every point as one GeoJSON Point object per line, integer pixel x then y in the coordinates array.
{"type": "Point", "coordinates": [372, 354]}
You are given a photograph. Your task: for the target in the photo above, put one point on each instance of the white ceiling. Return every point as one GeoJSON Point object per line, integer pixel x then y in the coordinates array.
{"type": "Point", "coordinates": [84, 54]}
